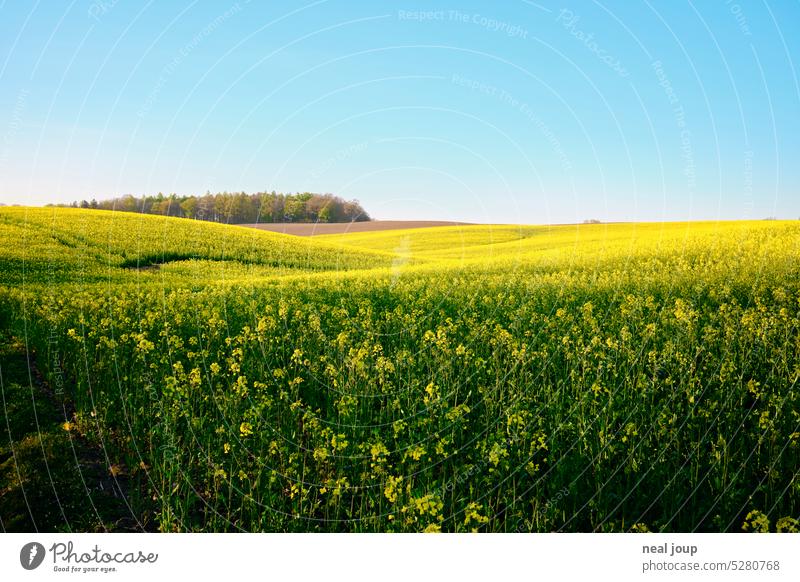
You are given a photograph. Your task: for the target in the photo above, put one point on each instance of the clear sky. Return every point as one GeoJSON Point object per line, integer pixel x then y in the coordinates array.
{"type": "Point", "coordinates": [513, 111]}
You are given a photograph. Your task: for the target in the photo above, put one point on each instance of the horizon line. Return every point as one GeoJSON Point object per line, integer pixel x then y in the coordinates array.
{"type": "Point", "coordinates": [450, 222]}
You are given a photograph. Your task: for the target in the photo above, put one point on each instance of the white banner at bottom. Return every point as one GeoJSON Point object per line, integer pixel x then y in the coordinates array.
{"type": "Point", "coordinates": [355, 557]}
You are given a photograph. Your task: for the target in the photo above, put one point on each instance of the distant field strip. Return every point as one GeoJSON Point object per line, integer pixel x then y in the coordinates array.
{"type": "Point", "coordinates": [325, 228]}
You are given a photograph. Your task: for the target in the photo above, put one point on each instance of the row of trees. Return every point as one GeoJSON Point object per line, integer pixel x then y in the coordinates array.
{"type": "Point", "coordinates": [239, 207]}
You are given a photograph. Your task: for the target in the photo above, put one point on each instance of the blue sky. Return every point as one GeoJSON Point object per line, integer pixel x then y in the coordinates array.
{"type": "Point", "coordinates": [512, 112]}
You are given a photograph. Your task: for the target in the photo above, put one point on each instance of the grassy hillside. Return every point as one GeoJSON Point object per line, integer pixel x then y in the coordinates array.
{"type": "Point", "coordinates": [93, 245]}
{"type": "Point", "coordinates": [489, 378]}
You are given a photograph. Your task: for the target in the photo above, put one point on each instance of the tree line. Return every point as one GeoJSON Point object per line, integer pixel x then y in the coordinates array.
{"type": "Point", "coordinates": [239, 207]}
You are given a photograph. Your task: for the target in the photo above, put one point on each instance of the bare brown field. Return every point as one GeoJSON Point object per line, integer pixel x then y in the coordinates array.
{"type": "Point", "coordinates": [312, 229]}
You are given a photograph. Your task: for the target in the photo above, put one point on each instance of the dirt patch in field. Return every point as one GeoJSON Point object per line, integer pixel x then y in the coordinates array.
{"type": "Point", "coordinates": [312, 229]}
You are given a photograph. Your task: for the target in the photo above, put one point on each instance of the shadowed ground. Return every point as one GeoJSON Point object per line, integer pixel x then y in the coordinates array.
{"type": "Point", "coordinates": [51, 477]}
